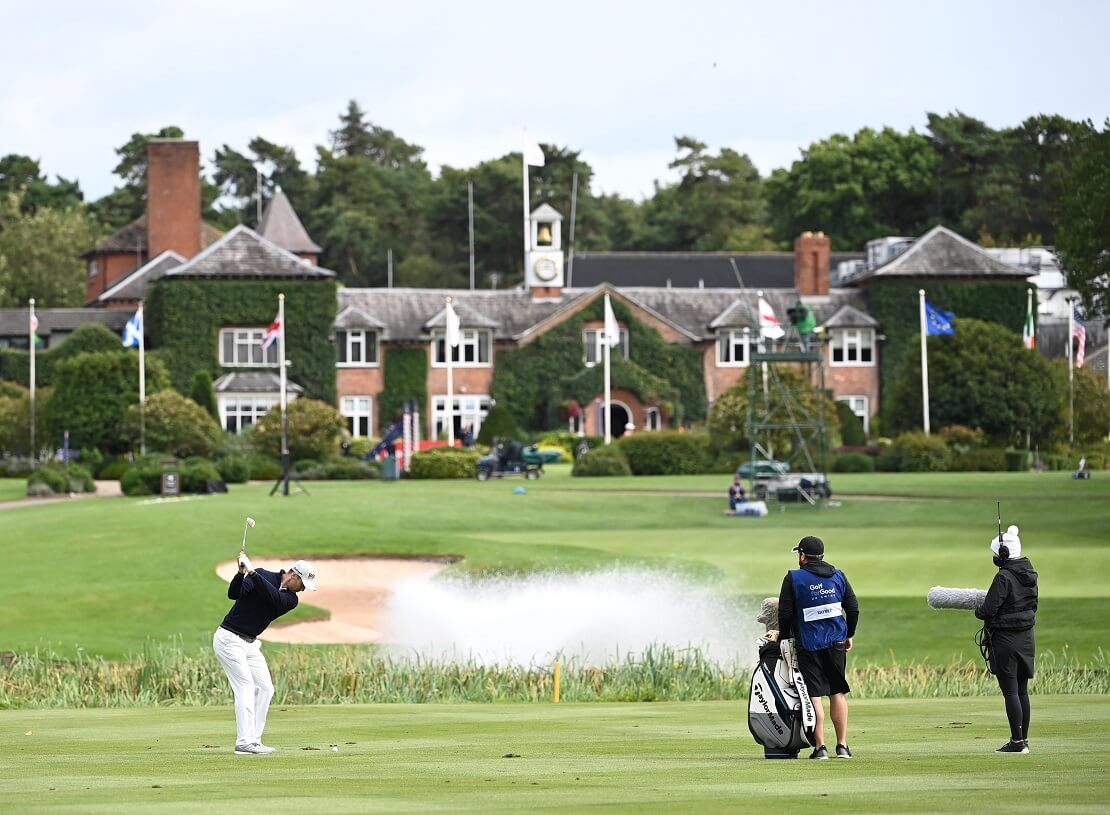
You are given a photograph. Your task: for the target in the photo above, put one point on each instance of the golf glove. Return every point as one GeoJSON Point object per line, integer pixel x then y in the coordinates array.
{"type": "Point", "coordinates": [246, 562]}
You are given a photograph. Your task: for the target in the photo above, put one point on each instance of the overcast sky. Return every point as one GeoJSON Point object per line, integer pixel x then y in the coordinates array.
{"type": "Point", "coordinates": [617, 81]}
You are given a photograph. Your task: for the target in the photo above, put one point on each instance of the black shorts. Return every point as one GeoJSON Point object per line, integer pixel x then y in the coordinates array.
{"type": "Point", "coordinates": [823, 670]}
{"type": "Point", "coordinates": [1013, 654]}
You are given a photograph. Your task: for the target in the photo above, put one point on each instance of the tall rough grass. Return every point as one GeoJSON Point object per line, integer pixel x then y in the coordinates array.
{"type": "Point", "coordinates": [165, 674]}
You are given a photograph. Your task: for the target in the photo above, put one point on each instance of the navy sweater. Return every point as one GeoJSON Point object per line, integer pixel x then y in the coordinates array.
{"type": "Point", "coordinates": [259, 600]}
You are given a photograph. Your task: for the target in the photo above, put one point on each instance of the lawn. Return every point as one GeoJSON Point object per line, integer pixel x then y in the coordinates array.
{"type": "Point", "coordinates": [927, 756]}
{"type": "Point", "coordinates": [105, 575]}
{"type": "Point", "coordinates": [12, 489]}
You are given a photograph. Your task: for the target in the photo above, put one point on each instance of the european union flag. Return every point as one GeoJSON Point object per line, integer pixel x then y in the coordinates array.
{"type": "Point", "coordinates": [937, 322]}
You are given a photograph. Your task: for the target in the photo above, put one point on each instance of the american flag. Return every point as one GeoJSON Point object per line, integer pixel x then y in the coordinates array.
{"type": "Point", "coordinates": [1079, 333]}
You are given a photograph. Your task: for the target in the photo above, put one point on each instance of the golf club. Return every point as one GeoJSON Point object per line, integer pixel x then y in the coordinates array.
{"type": "Point", "coordinates": [248, 525]}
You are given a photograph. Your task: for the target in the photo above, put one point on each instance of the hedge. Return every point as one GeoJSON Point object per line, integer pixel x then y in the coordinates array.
{"type": "Point", "coordinates": [666, 453]}
{"type": "Point", "coordinates": [444, 462]}
{"type": "Point", "coordinates": [854, 463]}
{"type": "Point", "coordinates": [984, 459]}
{"type": "Point", "coordinates": [602, 461]}
{"type": "Point", "coordinates": [184, 318]}
{"type": "Point", "coordinates": [144, 477]}
{"type": "Point", "coordinates": [15, 365]}
{"type": "Point", "coordinates": [59, 479]}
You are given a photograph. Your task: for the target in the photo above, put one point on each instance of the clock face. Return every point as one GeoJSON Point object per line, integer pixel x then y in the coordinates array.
{"type": "Point", "coordinates": [546, 269]}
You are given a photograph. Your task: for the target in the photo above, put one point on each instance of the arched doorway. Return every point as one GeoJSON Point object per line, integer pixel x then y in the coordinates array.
{"type": "Point", "coordinates": [619, 416]}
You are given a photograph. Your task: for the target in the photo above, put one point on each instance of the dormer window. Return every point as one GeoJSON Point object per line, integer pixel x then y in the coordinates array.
{"type": "Point", "coordinates": [852, 347]}
{"type": "Point", "coordinates": [473, 350]}
{"type": "Point", "coordinates": [593, 346]}
{"type": "Point", "coordinates": [356, 348]}
{"type": "Point", "coordinates": [732, 348]}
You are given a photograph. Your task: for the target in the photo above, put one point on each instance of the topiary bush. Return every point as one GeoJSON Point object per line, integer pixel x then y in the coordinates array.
{"type": "Point", "coordinates": [444, 462]}
{"type": "Point", "coordinates": [498, 424]}
{"type": "Point", "coordinates": [176, 424]}
{"type": "Point", "coordinates": [851, 427]}
{"type": "Point", "coordinates": [919, 453]}
{"type": "Point", "coordinates": [853, 463]}
{"type": "Point", "coordinates": [666, 453]}
{"type": "Point", "coordinates": [602, 461]}
{"type": "Point", "coordinates": [314, 430]}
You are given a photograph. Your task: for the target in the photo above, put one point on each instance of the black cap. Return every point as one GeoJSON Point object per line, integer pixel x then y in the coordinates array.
{"type": "Point", "coordinates": [811, 546]}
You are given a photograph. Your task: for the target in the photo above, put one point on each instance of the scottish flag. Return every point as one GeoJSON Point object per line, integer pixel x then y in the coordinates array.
{"type": "Point", "coordinates": [133, 331]}
{"type": "Point", "coordinates": [937, 322]}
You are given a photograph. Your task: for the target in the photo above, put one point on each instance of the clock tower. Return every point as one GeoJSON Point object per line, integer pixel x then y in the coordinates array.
{"type": "Point", "coordinates": [544, 273]}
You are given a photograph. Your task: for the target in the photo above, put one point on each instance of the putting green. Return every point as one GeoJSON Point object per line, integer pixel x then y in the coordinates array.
{"type": "Point", "coordinates": [928, 756]}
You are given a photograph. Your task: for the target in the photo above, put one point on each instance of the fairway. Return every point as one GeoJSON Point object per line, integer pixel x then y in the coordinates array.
{"type": "Point", "coordinates": [134, 570]}
{"type": "Point", "coordinates": [929, 756]}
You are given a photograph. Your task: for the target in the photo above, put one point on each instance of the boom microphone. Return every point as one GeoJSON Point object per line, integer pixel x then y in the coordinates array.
{"type": "Point", "coordinates": [967, 599]}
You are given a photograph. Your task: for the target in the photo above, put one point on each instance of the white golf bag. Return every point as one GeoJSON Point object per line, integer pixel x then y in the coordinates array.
{"type": "Point", "coordinates": [780, 713]}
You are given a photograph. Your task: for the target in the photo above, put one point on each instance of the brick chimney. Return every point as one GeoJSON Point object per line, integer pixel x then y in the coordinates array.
{"type": "Point", "coordinates": [811, 263]}
{"type": "Point", "coordinates": [173, 197]}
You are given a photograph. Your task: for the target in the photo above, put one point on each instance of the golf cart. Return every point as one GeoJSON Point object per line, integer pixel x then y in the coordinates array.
{"type": "Point", "coordinates": [792, 487]}
{"type": "Point", "coordinates": [511, 458]}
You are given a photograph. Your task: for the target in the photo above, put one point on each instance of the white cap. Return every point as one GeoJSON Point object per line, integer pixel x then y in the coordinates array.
{"type": "Point", "coordinates": [1011, 540]}
{"type": "Point", "coordinates": [630, 426]}
{"type": "Point", "coordinates": [306, 573]}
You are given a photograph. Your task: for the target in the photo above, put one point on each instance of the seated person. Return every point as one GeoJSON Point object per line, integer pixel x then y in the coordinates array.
{"type": "Point", "coordinates": [736, 494]}
{"type": "Point", "coordinates": [769, 616]}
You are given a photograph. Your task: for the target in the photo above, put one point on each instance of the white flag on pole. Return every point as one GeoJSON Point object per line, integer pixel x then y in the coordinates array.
{"type": "Point", "coordinates": [453, 337]}
{"type": "Point", "coordinates": [612, 327]}
{"type": "Point", "coordinates": [769, 326]}
{"type": "Point", "coordinates": [533, 153]}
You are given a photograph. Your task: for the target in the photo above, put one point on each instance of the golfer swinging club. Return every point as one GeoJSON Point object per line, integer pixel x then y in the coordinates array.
{"type": "Point", "coordinates": [819, 609]}
{"type": "Point", "coordinates": [260, 597]}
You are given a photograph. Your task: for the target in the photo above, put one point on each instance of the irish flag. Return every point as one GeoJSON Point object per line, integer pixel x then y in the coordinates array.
{"type": "Point", "coordinates": [1028, 333]}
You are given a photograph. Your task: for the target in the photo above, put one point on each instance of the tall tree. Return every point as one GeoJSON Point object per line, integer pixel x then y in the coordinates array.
{"type": "Point", "coordinates": [23, 175]}
{"type": "Point", "coordinates": [40, 254]}
{"type": "Point", "coordinates": [1084, 228]}
{"type": "Point", "coordinates": [237, 176]}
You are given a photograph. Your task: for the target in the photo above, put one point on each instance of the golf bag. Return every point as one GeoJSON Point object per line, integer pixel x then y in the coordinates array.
{"type": "Point", "coordinates": [780, 713]}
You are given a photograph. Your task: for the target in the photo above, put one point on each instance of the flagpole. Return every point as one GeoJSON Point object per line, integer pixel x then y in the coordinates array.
{"type": "Point", "coordinates": [608, 392]}
{"type": "Point", "coordinates": [449, 351]}
{"type": "Point", "coordinates": [527, 199]}
{"type": "Point", "coordinates": [31, 340]}
{"type": "Point", "coordinates": [1071, 372]}
{"type": "Point", "coordinates": [142, 380]}
{"type": "Point", "coordinates": [924, 362]}
{"type": "Point", "coordinates": [282, 396]}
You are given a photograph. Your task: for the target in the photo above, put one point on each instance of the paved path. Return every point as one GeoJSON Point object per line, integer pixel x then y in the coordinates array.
{"type": "Point", "coordinates": [104, 489]}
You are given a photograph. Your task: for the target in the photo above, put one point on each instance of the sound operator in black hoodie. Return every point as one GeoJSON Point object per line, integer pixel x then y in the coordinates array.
{"type": "Point", "coordinates": [1009, 614]}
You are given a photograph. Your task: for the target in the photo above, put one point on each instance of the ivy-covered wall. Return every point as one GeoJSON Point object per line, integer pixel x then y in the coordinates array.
{"type": "Point", "coordinates": [405, 379]}
{"type": "Point", "coordinates": [184, 318]}
{"type": "Point", "coordinates": [894, 303]}
{"type": "Point", "coordinates": [534, 380]}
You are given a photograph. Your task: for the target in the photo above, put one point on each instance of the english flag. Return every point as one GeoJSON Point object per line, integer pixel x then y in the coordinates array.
{"type": "Point", "coordinates": [769, 326]}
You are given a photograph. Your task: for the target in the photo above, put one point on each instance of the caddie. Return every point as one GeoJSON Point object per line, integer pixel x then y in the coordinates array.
{"type": "Point", "coordinates": [260, 596]}
{"type": "Point", "coordinates": [818, 607]}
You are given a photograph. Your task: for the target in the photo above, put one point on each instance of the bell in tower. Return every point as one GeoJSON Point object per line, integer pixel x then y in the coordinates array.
{"type": "Point", "coordinates": [544, 275]}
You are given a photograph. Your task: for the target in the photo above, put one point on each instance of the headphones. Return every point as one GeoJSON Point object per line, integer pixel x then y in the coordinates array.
{"type": "Point", "coordinates": [1003, 551]}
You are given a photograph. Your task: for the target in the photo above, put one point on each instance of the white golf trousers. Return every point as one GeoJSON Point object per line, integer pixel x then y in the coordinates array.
{"type": "Point", "coordinates": [249, 675]}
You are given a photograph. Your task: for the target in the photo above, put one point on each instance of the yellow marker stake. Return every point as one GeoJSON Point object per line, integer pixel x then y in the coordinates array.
{"type": "Point", "coordinates": [558, 676]}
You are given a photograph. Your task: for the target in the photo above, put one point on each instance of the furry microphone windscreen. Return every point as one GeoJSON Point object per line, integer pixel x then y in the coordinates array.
{"type": "Point", "coordinates": [968, 599]}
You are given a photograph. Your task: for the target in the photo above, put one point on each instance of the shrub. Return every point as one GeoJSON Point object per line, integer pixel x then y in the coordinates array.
{"type": "Point", "coordinates": [726, 462]}
{"type": "Point", "coordinates": [602, 461]}
{"type": "Point", "coordinates": [961, 438]}
{"type": "Point", "coordinates": [59, 479]}
{"type": "Point", "coordinates": [666, 453]}
{"type": "Point", "coordinates": [175, 424]}
{"type": "Point", "coordinates": [854, 463]}
{"type": "Point", "coordinates": [16, 467]}
{"type": "Point", "coordinates": [263, 467]}
{"type": "Point", "coordinates": [196, 472]}
{"type": "Point", "coordinates": [498, 424]}
{"type": "Point", "coordinates": [15, 413]}
{"type": "Point", "coordinates": [203, 393]}
{"type": "Point", "coordinates": [851, 427]}
{"type": "Point", "coordinates": [234, 469]}
{"type": "Point", "coordinates": [987, 459]}
{"type": "Point", "coordinates": [314, 430]}
{"type": "Point", "coordinates": [1017, 460]}
{"type": "Point", "coordinates": [444, 462]}
{"type": "Point", "coordinates": [142, 478]}
{"type": "Point", "coordinates": [91, 459]}
{"type": "Point", "coordinates": [362, 445]}
{"type": "Point", "coordinates": [889, 459]}
{"type": "Point", "coordinates": [346, 469]}
{"type": "Point", "coordinates": [92, 393]}
{"type": "Point", "coordinates": [113, 469]}
{"type": "Point", "coordinates": [920, 453]}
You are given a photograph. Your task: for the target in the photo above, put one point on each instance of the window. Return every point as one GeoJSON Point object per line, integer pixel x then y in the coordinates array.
{"type": "Point", "coordinates": [654, 419]}
{"type": "Point", "coordinates": [853, 346]}
{"type": "Point", "coordinates": [356, 348]}
{"type": "Point", "coordinates": [473, 350]}
{"type": "Point", "coordinates": [593, 345]}
{"type": "Point", "coordinates": [242, 348]}
{"type": "Point", "coordinates": [237, 413]}
{"type": "Point", "coordinates": [859, 405]}
{"type": "Point", "coordinates": [94, 267]}
{"type": "Point", "coordinates": [358, 410]}
{"type": "Point", "coordinates": [469, 411]}
{"type": "Point", "coordinates": [732, 348]}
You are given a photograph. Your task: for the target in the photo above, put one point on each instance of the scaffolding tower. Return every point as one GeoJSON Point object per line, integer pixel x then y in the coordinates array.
{"type": "Point", "coordinates": [777, 414]}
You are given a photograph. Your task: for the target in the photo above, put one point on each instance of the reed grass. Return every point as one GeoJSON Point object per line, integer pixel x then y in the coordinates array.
{"type": "Point", "coordinates": [168, 674]}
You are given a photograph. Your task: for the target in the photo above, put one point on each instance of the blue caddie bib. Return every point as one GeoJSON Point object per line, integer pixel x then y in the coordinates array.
{"type": "Point", "coordinates": [817, 606]}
